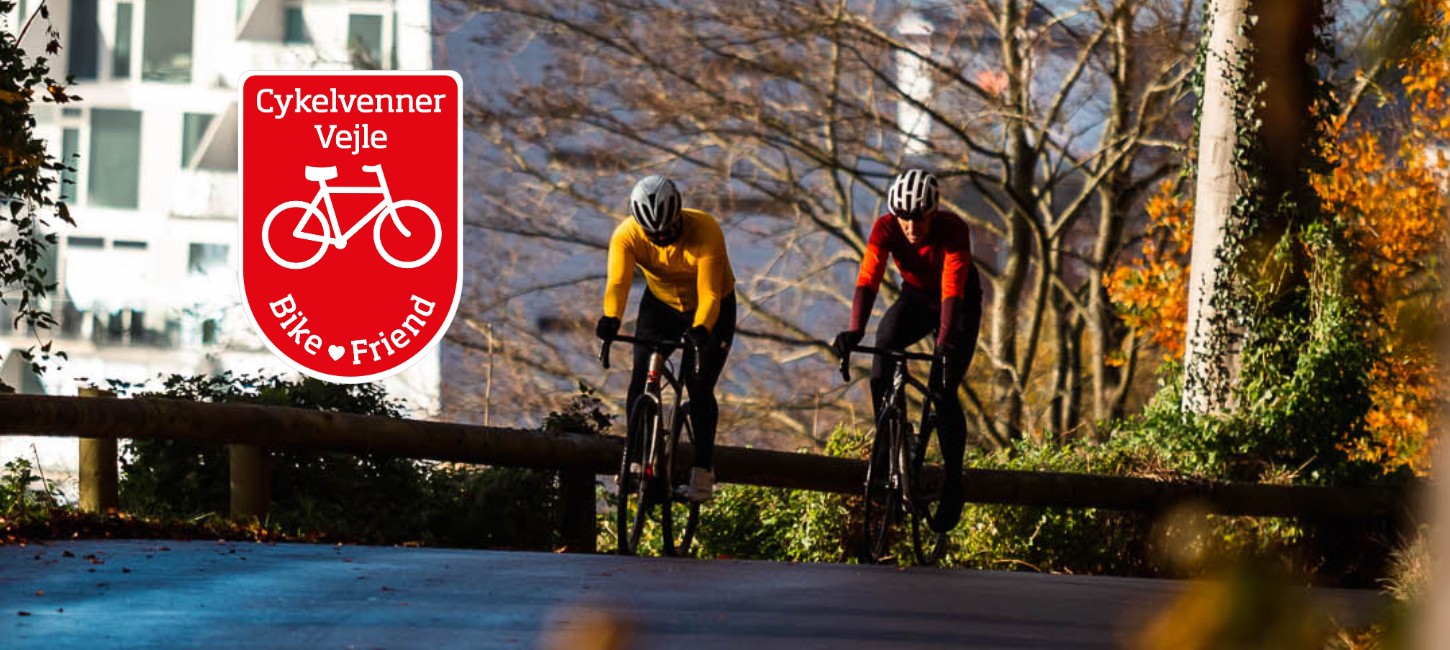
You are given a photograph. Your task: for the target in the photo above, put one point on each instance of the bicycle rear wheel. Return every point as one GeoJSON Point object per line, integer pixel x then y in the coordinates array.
{"type": "Point", "coordinates": [635, 475]}
{"type": "Point", "coordinates": [882, 499]}
{"type": "Point", "coordinates": [676, 512]}
{"type": "Point", "coordinates": [927, 544]}
{"type": "Point", "coordinates": [295, 216]}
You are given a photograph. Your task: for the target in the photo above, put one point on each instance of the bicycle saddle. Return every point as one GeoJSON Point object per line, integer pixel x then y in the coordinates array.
{"type": "Point", "coordinates": [320, 173]}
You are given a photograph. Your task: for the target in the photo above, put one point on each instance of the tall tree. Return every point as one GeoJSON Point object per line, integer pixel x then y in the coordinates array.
{"type": "Point", "coordinates": [1219, 130]}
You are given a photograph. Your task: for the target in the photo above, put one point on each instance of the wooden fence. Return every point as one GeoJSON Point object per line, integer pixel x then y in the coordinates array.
{"type": "Point", "coordinates": [250, 430]}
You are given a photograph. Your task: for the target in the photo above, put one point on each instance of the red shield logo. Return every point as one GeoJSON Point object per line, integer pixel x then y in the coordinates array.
{"type": "Point", "coordinates": [351, 254]}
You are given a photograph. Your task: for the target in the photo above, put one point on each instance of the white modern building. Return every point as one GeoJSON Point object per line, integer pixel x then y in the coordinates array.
{"type": "Point", "coordinates": [147, 278]}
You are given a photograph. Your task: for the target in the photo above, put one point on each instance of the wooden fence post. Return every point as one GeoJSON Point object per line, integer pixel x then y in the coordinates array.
{"type": "Point", "coordinates": [576, 497]}
{"type": "Point", "coordinates": [251, 484]}
{"type": "Point", "coordinates": [98, 473]}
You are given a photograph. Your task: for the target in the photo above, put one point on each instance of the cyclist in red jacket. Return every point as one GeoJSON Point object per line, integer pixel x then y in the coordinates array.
{"type": "Point", "coordinates": [940, 292]}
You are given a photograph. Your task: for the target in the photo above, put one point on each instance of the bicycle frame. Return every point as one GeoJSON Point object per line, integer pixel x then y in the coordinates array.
{"type": "Point", "coordinates": [650, 450]}
{"type": "Point", "coordinates": [324, 195]}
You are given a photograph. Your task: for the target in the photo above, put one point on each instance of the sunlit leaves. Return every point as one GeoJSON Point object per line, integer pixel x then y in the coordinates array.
{"type": "Point", "coordinates": [1151, 290]}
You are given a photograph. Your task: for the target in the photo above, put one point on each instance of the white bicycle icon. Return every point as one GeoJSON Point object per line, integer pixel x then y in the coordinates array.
{"type": "Point", "coordinates": [329, 222]}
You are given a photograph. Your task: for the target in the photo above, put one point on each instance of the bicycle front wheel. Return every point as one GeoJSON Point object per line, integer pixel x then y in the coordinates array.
{"type": "Point", "coordinates": [413, 220]}
{"type": "Point", "coordinates": [678, 513]}
{"type": "Point", "coordinates": [926, 543]}
{"type": "Point", "coordinates": [636, 475]}
{"type": "Point", "coordinates": [292, 217]}
{"type": "Point", "coordinates": [881, 502]}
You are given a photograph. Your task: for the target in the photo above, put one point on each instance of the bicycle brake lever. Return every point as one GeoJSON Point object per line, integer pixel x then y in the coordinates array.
{"type": "Point", "coordinates": [604, 353]}
{"type": "Point", "coordinates": [846, 368]}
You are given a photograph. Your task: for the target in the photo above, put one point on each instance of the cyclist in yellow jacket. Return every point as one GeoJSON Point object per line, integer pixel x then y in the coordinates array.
{"type": "Point", "coordinates": [690, 290]}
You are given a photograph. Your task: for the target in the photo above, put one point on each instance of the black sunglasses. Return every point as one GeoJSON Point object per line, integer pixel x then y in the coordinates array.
{"type": "Point", "coordinates": [914, 215]}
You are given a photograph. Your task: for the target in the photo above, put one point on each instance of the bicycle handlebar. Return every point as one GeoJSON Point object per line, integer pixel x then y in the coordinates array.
{"type": "Point", "coordinates": [371, 168]}
{"type": "Point", "coordinates": [880, 352]}
{"type": "Point", "coordinates": [662, 344]}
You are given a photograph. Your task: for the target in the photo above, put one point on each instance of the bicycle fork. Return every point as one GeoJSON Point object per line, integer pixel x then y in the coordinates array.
{"type": "Point", "coordinates": [652, 388]}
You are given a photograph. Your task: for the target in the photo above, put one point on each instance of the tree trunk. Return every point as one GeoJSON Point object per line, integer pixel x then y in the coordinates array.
{"type": "Point", "coordinates": [1217, 188]}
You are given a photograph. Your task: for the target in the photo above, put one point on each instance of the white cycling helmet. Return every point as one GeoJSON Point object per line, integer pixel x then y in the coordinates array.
{"type": "Point", "coordinates": [655, 204]}
{"type": "Point", "coordinates": [913, 194]}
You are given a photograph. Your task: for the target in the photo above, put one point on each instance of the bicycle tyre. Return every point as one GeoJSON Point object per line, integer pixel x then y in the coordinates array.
{"type": "Point", "coordinates": [679, 547]}
{"type": "Point", "coordinates": [880, 501]}
{"type": "Point", "coordinates": [928, 544]}
{"type": "Point", "coordinates": [308, 211]}
{"type": "Point", "coordinates": [633, 487]}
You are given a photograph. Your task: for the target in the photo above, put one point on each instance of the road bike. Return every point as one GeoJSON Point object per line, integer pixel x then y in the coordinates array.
{"type": "Point", "coordinates": [304, 212]}
{"type": "Point", "coordinates": [651, 472]}
{"type": "Point", "coordinates": [898, 483]}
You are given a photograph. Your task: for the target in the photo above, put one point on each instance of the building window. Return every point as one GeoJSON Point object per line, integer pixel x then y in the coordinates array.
{"type": "Point", "coordinates": [85, 38]}
{"type": "Point", "coordinates": [121, 54]}
{"type": "Point", "coordinates": [70, 149]}
{"type": "Point", "coordinates": [193, 127]}
{"type": "Point", "coordinates": [71, 320]}
{"type": "Point", "coordinates": [139, 335]}
{"type": "Point", "coordinates": [365, 41]}
{"type": "Point", "coordinates": [20, 15]}
{"type": "Point", "coordinates": [166, 49]}
{"type": "Point", "coordinates": [115, 329]}
{"type": "Point", "coordinates": [128, 245]}
{"type": "Point", "coordinates": [206, 259]}
{"type": "Point", "coordinates": [85, 242]}
{"type": "Point", "coordinates": [294, 29]}
{"type": "Point", "coordinates": [114, 177]}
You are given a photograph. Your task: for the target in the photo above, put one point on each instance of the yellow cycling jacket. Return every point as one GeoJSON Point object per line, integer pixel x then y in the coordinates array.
{"type": "Point", "coordinates": [691, 274]}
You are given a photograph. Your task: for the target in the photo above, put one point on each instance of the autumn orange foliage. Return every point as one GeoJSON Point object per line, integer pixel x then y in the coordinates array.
{"type": "Point", "coordinates": [1393, 196]}
{"type": "Point", "coordinates": [1151, 290]}
{"type": "Point", "coordinates": [1388, 182]}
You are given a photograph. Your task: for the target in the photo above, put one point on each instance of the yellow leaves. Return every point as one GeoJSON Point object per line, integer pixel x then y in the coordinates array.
{"type": "Point", "coordinates": [1405, 394]}
{"type": "Point", "coordinates": [1393, 198]}
{"type": "Point", "coordinates": [1151, 290]}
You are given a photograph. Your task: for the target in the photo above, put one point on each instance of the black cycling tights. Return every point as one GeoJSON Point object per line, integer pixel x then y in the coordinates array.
{"type": "Point", "coordinates": [913, 316]}
{"type": "Point", "coordinates": [658, 320]}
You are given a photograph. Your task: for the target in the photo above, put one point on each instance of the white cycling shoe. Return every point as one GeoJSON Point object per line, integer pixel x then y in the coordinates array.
{"type": "Point", "coordinates": [701, 487]}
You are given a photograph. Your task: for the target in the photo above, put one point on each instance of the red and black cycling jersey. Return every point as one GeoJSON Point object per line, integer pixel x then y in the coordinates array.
{"type": "Point", "coordinates": [940, 266]}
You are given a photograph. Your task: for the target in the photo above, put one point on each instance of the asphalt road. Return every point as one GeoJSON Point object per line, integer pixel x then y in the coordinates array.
{"type": "Point", "coordinates": [118, 594]}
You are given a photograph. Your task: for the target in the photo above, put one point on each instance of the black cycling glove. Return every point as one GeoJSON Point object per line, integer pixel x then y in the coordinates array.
{"type": "Point", "coordinates": [607, 327]}
{"type": "Point", "coordinates": [845, 341]}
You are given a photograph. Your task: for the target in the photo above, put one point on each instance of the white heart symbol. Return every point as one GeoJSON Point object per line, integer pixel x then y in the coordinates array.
{"type": "Point", "coordinates": [334, 351]}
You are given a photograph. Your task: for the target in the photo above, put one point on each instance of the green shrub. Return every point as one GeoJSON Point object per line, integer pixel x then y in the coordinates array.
{"type": "Point", "coordinates": [363, 498]}
{"type": "Point", "coordinates": [24, 496]}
